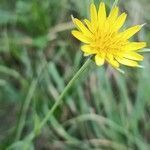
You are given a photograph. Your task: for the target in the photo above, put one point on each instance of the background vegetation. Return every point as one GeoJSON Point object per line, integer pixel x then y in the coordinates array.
{"type": "Point", "coordinates": [38, 56]}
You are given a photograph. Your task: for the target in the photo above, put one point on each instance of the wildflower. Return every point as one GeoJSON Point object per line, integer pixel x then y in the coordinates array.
{"type": "Point", "coordinates": [102, 38]}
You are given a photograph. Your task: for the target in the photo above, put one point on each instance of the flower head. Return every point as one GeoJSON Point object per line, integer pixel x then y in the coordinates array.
{"type": "Point", "coordinates": [102, 38]}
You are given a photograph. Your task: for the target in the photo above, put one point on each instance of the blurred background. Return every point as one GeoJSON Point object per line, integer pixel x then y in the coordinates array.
{"type": "Point", "coordinates": [38, 56]}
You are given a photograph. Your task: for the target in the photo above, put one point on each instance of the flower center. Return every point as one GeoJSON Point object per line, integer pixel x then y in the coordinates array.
{"type": "Point", "coordinates": [109, 42]}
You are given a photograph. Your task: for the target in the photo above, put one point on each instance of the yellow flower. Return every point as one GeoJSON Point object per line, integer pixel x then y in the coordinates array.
{"type": "Point", "coordinates": [102, 38]}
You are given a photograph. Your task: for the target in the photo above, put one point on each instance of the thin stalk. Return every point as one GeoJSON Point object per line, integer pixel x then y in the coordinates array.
{"type": "Point", "coordinates": [60, 98]}
{"type": "Point", "coordinates": [66, 89]}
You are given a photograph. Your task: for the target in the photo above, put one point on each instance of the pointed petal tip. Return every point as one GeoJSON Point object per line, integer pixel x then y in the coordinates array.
{"type": "Point", "coordinates": [145, 44]}
{"type": "Point", "coordinates": [125, 14]}
{"type": "Point", "coordinates": [72, 17]}
{"type": "Point", "coordinates": [120, 70]}
{"type": "Point", "coordinates": [102, 3]}
{"type": "Point", "coordinates": [98, 64]}
{"type": "Point", "coordinates": [86, 54]}
{"type": "Point", "coordinates": [99, 60]}
{"type": "Point", "coordinates": [92, 4]}
{"type": "Point", "coordinates": [140, 66]}
{"type": "Point", "coordinates": [144, 50]}
{"type": "Point", "coordinates": [73, 31]}
{"type": "Point", "coordinates": [143, 24]}
{"type": "Point", "coordinates": [141, 58]}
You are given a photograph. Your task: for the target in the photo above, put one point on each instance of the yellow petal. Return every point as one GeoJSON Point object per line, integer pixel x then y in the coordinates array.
{"type": "Point", "coordinates": [88, 49]}
{"type": "Point", "coordinates": [99, 60]}
{"type": "Point", "coordinates": [106, 28]}
{"type": "Point", "coordinates": [126, 62]}
{"type": "Point", "coordinates": [120, 21]}
{"type": "Point", "coordinates": [133, 56]}
{"type": "Point", "coordinates": [131, 31]}
{"type": "Point", "coordinates": [101, 14]}
{"type": "Point", "coordinates": [81, 37]}
{"type": "Point", "coordinates": [82, 27]}
{"type": "Point", "coordinates": [132, 46]}
{"type": "Point", "coordinates": [113, 15]}
{"type": "Point", "coordinates": [86, 54]}
{"type": "Point", "coordinates": [93, 13]}
{"type": "Point", "coordinates": [112, 61]}
{"type": "Point", "coordinates": [88, 24]}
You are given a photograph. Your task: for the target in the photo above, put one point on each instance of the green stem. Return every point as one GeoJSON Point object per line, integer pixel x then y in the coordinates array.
{"type": "Point", "coordinates": [60, 98]}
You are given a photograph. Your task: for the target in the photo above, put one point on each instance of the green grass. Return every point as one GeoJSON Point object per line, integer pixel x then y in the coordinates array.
{"type": "Point", "coordinates": [38, 56]}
